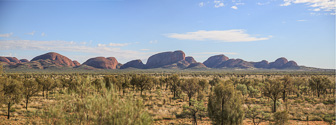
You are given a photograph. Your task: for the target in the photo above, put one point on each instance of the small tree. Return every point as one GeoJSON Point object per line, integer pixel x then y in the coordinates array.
{"type": "Point", "coordinates": [287, 83]}
{"type": "Point", "coordinates": [190, 87]}
{"type": "Point", "coordinates": [225, 105]}
{"type": "Point", "coordinates": [143, 82]}
{"type": "Point", "coordinates": [194, 109]}
{"type": "Point", "coordinates": [242, 88]}
{"type": "Point", "coordinates": [203, 83]}
{"type": "Point", "coordinates": [11, 92]}
{"type": "Point", "coordinates": [273, 90]}
{"type": "Point", "coordinates": [254, 113]}
{"type": "Point", "coordinates": [30, 88]}
{"type": "Point", "coordinates": [173, 81]}
{"type": "Point", "coordinates": [49, 84]}
{"type": "Point", "coordinates": [319, 84]}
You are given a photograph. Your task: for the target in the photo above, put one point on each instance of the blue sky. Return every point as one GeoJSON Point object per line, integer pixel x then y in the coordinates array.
{"type": "Point", "coordinates": [253, 30]}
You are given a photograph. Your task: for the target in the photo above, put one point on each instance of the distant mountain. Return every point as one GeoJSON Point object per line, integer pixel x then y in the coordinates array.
{"type": "Point", "coordinates": [133, 64]}
{"type": "Point", "coordinates": [214, 61]}
{"type": "Point", "coordinates": [102, 62]}
{"type": "Point", "coordinates": [169, 60]}
{"type": "Point", "coordinates": [165, 58]}
{"type": "Point", "coordinates": [55, 58]}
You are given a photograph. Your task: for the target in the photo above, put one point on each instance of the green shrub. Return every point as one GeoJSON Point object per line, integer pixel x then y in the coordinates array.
{"type": "Point", "coordinates": [281, 117]}
{"type": "Point", "coordinates": [102, 108]}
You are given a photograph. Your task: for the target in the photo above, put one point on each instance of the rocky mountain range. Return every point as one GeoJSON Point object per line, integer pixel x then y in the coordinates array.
{"type": "Point", "coordinates": [170, 60]}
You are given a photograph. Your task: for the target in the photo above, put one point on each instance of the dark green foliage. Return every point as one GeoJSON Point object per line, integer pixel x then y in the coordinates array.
{"type": "Point", "coordinates": [174, 82]}
{"type": "Point", "coordinates": [194, 109]}
{"type": "Point", "coordinates": [30, 88]}
{"type": "Point", "coordinates": [273, 89]}
{"type": "Point", "coordinates": [225, 105]}
{"type": "Point", "coordinates": [10, 93]}
{"type": "Point", "coordinates": [106, 108]}
{"type": "Point", "coordinates": [319, 84]}
{"type": "Point", "coordinates": [190, 87]}
{"type": "Point", "coordinates": [142, 82]}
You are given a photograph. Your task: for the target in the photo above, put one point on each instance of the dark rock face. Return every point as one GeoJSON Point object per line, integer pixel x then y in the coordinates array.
{"type": "Point", "coordinates": [4, 59]}
{"type": "Point", "coordinates": [76, 63]}
{"type": "Point", "coordinates": [279, 63]}
{"type": "Point", "coordinates": [102, 62]}
{"type": "Point", "coordinates": [291, 64]}
{"type": "Point", "coordinates": [56, 58]}
{"type": "Point", "coordinates": [13, 59]}
{"type": "Point", "coordinates": [119, 65]}
{"type": "Point", "coordinates": [261, 64]}
{"type": "Point", "coordinates": [164, 58]}
{"type": "Point", "coordinates": [214, 61]}
{"type": "Point", "coordinates": [196, 66]}
{"type": "Point", "coordinates": [190, 59]}
{"type": "Point", "coordinates": [9, 60]}
{"type": "Point", "coordinates": [133, 64]}
{"type": "Point", "coordinates": [24, 60]}
{"type": "Point", "coordinates": [235, 63]}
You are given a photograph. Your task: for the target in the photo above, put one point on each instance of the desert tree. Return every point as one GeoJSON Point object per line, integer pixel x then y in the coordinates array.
{"type": "Point", "coordinates": [273, 90]}
{"type": "Point", "coordinates": [30, 89]}
{"type": "Point", "coordinates": [142, 82]}
{"type": "Point", "coordinates": [319, 84]}
{"type": "Point", "coordinates": [204, 84]}
{"type": "Point", "coordinates": [287, 83]}
{"type": "Point", "coordinates": [225, 105]}
{"type": "Point", "coordinates": [242, 88]}
{"type": "Point", "coordinates": [11, 92]}
{"type": "Point", "coordinates": [194, 110]}
{"type": "Point", "coordinates": [174, 81]}
{"type": "Point", "coordinates": [49, 84]}
{"type": "Point", "coordinates": [254, 112]}
{"type": "Point", "coordinates": [190, 87]}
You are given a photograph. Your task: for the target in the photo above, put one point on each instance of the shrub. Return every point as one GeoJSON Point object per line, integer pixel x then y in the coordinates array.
{"type": "Point", "coordinates": [103, 108]}
{"type": "Point", "coordinates": [281, 117]}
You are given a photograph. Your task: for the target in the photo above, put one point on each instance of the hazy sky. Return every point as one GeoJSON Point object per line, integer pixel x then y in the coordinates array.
{"type": "Point", "coordinates": [253, 30]}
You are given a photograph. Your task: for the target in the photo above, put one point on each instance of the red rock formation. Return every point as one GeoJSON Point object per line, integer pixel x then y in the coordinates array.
{"type": "Point", "coordinates": [133, 64]}
{"type": "Point", "coordinates": [279, 63]}
{"type": "Point", "coordinates": [76, 63]}
{"type": "Point", "coordinates": [190, 59]}
{"type": "Point", "coordinates": [165, 58]}
{"type": "Point", "coordinates": [214, 61]}
{"type": "Point", "coordinates": [102, 62]}
{"type": "Point", "coordinates": [56, 58]}
{"type": "Point", "coordinates": [24, 60]}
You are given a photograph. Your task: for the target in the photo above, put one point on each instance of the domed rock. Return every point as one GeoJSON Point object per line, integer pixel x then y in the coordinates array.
{"type": "Point", "coordinates": [279, 63]}
{"type": "Point", "coordinates": [4, 59]}
{"type": "Point", "coordinates": [102, 62]}
{"type": "Point", "coordinates": [165, 58]}
{"type": "Point", "coordinates": [24, 60]}
{"type": "Point", "coordinates": [190, 59]}
{"type": "Point", "coordinates": [235, 63]}
{"type": "Point", "coordinates": [76, 63]}
{"type": "Point", "coordinates": [133, 64]}
{"type": "Point", "coordinates": [13, 59]}
{"type": "Point", "coordinates": [214, 61]}
{"type": "Point", "coordinates": [261, 64]}
{"type": "Point", "coordinates": [291, 64]}
{"type": "Point", "coordinates": [56, 58]}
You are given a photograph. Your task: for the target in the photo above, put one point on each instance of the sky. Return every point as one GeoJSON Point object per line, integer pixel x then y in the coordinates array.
{"type": "Point", "coordinates": [253, 30]}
